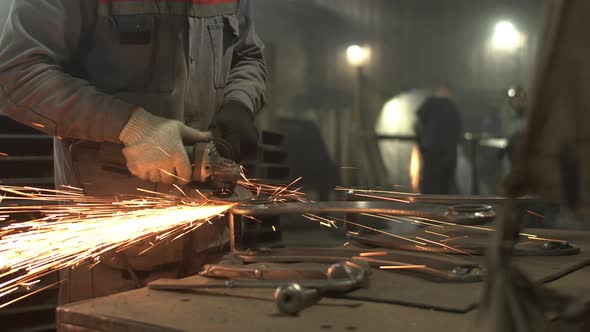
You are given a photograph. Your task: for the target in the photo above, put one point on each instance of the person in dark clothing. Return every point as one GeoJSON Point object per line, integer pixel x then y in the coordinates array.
{"type": "Point", "coordinates": [439, 130]}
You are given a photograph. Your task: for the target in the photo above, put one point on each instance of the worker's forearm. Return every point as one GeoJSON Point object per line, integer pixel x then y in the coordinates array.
{"type": "Point", "coordinates": [42, 96]}
{"type": "Point", "coordinates": [247, 83]}
{"type": "Point", "coordinates": [247, 77]}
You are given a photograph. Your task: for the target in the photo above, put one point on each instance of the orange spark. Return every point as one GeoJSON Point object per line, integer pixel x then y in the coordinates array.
{"type": "Point", "coordinates": [443, 245]}
{"type": "Point", "coordinates": [401, 267]}
{"type": "Point", "coordinates": [372, 254]}
{"type": "Point", "coordinates": [38, 125]}
{"type": "Point", "coordinates": [384, 198]}
{"type": "Point", "coordinates": [437, 234]}
{"type": "Point", "coordinates": [536, 214]}
{"type": "Point", "coordinates": [415, 165]}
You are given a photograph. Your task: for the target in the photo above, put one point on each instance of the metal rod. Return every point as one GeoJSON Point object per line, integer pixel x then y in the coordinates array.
{"type": "Point", "coordinates": [232, 232]}
{"type": "Point", "coordinates": [400, 209]}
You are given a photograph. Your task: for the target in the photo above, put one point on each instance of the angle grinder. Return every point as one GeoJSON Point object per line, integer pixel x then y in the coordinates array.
{"type": "Point", "coordinates": [214, 174]}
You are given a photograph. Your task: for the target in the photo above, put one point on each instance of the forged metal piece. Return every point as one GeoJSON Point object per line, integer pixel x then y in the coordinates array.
{"type": "Point", "coordinates": [261, 272]}
{"type": "Point", "coordinates": [342, 277]}
{"type": "Point", "coordinates": [436, 267]}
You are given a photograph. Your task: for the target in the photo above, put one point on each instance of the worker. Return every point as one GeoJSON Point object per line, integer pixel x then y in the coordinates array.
{"type": "Point", "coordinates": [438, 128]}
{"type": "Point", "coordinates": [144, 77]}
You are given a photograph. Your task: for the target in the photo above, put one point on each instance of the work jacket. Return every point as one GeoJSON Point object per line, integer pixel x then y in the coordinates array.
{"type": "Point", "coordinates": [76, 69]}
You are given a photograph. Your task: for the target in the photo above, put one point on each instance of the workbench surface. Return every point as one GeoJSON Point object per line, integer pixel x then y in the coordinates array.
{"type": "Point", "coordinates": [253, 310]}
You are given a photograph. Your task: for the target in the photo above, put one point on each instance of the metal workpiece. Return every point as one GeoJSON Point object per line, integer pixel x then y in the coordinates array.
{"type": "Point", "coordinates": [334, 207]}
{"type": "Point", "coordinates": [378, 195]}
{"type": "Point", "coordinates": [262, 272]}
{"type": "Point", "coordinates": [341, 277]}
{"type": "Point", "coordinates": [439, 268]}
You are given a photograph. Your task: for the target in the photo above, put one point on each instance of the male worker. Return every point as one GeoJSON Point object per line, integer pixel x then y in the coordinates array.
{"type": "Point", "coordinates": [438, 129]}
{"type": "Point", "coordinates": [142, 76]}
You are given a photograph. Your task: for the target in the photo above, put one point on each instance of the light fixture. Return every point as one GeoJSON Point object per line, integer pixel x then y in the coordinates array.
{"type": "Point", "coordinates": [358, 56]}
{"type": "Point", "coordinates": [506, 37]}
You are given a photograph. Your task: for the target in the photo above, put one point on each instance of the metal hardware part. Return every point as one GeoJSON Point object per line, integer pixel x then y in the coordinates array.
{"type": "Point", "coordinates": [469, 214]}
{"type": "Point", "coordinates": [292, 299]}
{"type": "Point", "coordinates": [262, 272]}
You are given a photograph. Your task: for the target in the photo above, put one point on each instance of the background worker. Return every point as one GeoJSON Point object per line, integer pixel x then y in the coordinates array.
{"type": "Point", "coordinates": [438, 129]}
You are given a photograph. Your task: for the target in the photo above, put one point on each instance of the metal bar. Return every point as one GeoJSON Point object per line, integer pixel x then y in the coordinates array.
{"type": "Point", "coordinates": [433, 199]}
{"type": "Point", "coordinates": [232, 232]}
{"type": "Point", "coordinates": [333, 207]}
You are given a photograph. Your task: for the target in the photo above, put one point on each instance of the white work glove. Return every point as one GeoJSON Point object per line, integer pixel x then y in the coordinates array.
{"type": "Point", "coordinates": [154, 147]}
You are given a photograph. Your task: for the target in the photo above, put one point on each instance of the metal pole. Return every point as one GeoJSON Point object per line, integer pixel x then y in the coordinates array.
{"type": "Point", "coordinates": [354, 136]}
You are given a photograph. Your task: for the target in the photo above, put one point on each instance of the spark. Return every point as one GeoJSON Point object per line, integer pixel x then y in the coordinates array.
{"type": "Point", "coordinates": [29, 294]}
{"type": "Point", "coordinates": [174, 175]}
{"type": "Point", "coordinates": [37, 125]}
{"type": "Point", "coordinates": [437, 234]}
{"type": "Point", "coordinates": [371, 254]}
{"type": "Point", "coordinates": [380, 231]}
{"type": "Point", "coordinates": [252, 218]}
{"type": "Point", "coordinates": [384, 198]}
{"type": "Point", "coordinates": [432, 250]}
{"type": "Point", "coordinates": [454, 239]}
{"type": "Point", "coordinates": [401, 267]}
{"type": "Point", "coordinates": [274, 229]}
{"type": "Point", "coordinates": [3, 154]}
{"type": "Point", "coordinates": [443, 245]}
{"type": "Point", "coordinates": [370, 191]}
{"type": "Point", "coordinates": [536, 238]}
{"type": "Point", "coordinates": [415, 167]}
{"type": "Point", "coordinates": [274, 193]}
{"type": "Point", "coordinates": [536, 214]}
{"type": "Point", "coordinates": [164, 151]}
{"type": "Point", "coordinates": [84, 228]}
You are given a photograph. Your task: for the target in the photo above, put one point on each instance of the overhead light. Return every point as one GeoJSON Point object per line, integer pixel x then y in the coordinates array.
{"type": "Point", "coordinates": [358, 56]}
{"type": "Point", "coordinates": [506, 37]}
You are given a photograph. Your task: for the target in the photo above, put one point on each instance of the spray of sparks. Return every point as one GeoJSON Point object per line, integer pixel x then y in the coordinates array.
{"type": "Point", "coordinates": [439, 243]}
{"type": "Point", "coordinates": [74, 228]}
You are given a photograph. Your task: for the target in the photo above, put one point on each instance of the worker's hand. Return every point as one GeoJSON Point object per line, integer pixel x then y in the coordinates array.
{"type": "Point", "coordinates": [154, 147]}
{"type": "Point", "coordinates": [234, 123]}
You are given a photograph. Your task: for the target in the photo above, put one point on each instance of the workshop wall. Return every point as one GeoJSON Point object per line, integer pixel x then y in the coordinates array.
{"type": "Point", "coordinates": [416, 44]}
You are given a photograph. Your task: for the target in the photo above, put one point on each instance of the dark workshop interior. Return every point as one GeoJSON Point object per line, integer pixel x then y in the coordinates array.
{"type": "Point", "coordinates": [294, 165]}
